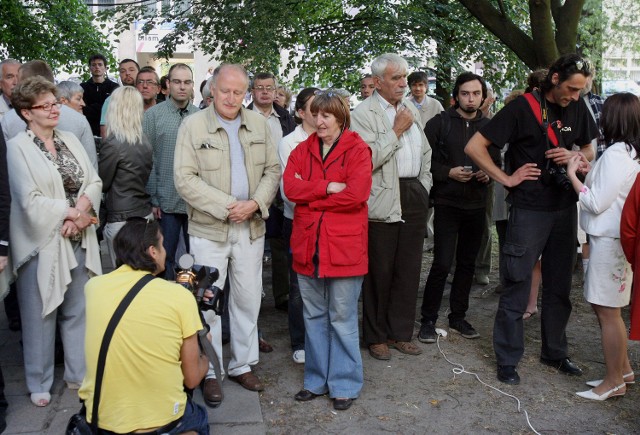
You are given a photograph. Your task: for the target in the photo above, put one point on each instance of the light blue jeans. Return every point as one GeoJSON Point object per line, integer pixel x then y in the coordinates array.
{"type": "Point", "coordinates": [333, 362]}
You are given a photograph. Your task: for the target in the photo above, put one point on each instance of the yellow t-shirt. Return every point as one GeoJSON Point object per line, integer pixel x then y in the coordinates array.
{"type": "Point", "coordinates": [142, 386]}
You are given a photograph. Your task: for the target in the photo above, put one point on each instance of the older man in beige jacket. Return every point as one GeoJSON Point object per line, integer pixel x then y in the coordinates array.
{"type": "Point", "coordinates": [398, 204]}
{"type": "Point", "coordinates": [226, 169]}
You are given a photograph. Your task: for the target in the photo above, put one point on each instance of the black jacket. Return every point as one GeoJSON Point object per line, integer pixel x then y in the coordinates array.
{"type": "Point", "coordinates": [287, 122]}
{"type": "Point", "coordinates": [94, 96]}
{"type": "Point", "coordinates": [125, 169]}
{"type": "Point", "coordinates": [450, 154]}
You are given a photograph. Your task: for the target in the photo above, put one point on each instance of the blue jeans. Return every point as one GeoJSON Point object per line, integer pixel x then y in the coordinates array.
{"type": "Point", "coordinates": [171, 225]}
{"type": "Point", "coordinates": [194, 419]}
{"type": "Point", "coordinates": [333, 362]}
{"type": "Point", "coordinates": [296, 320]}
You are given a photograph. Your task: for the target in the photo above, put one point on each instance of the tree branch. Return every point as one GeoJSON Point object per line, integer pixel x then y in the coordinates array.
{"type": "Point", "coordinates": [504, 29]}
{"type": "Point", "coordinates": [543, 32]}
{"type": "Point", "coordinates": [567, 20]}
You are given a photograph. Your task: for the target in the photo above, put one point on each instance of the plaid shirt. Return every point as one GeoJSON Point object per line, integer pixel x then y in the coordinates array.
{"type": "Point", "coordinates": [596, 102]}
{"type": "Point", "coordinates": [161, 124]}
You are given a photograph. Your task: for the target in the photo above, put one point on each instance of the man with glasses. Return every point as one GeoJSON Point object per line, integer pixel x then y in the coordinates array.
{"type": "Point", "coordinates": [540, 130]}
{"type": "Point", "coordinates": [227, 171]}
{"type": "Point", "coordinates": [96, 90]}
{"type": "Point", "coordinates": [148, 84]}
{"type": "Point", "coordinates": [281, 123]}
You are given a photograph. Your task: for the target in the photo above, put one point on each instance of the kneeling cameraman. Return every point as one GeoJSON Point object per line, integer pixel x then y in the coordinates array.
{"type": "Point", "coordinates": [154, 351]}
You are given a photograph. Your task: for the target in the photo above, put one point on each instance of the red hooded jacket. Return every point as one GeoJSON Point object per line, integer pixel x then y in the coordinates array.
{"type": "Point", "coordinates": [330, 232]}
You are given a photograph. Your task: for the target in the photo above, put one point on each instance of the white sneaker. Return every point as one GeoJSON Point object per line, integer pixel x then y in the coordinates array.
{"type": "Point", "coordinates": [298, 357]}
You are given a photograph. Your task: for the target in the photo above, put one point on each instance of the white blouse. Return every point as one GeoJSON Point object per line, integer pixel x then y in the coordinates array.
{"type": "Point", "coordinates": [609, 183]}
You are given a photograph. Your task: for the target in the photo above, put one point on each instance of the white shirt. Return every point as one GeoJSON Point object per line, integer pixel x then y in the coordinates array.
{"type": "Point", "coordinates": [608, 183]}
{"type": "Point", "coordinates": [273, 120]}
{"type": "Point", "coordinates": [408, 156]}
{"type": "Point", "coordinates": [285, 147]}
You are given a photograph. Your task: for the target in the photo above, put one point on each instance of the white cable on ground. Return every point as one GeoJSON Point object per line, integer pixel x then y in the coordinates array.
{"type": "Point", "coordinates": [458, 369]}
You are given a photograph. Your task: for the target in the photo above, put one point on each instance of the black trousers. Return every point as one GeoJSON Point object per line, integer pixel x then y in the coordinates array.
{"type": "Point", "coordinates": [390, 289]}
{"type": "Point", "coordinates": [455, 231]}
{"type": "Point", "coordinates": [530, 234]}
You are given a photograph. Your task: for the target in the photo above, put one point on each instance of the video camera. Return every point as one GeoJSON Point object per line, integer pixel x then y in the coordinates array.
{"type": "Point", "coordinates": [197, 279]}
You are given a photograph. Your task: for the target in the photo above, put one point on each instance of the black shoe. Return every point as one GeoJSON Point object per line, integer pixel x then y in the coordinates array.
{"type": "Point", "coordinates": [463, 328]}
{"type": "Point", "coordinates": [342, 404]}
{"type": "Point", "coordinates": [508, 375]}
{"type": "Point", "coordinates": [427, 333]}
{"type": "Point", "coordinates": [564, 365]}
{"type": "Point", "coordinates": [305, 396]}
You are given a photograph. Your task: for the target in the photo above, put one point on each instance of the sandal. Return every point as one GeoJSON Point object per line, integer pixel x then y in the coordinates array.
{"type": "Point", "coordinates": [407, 347]}
{"type": "Point", "coordinates": [40, 399]}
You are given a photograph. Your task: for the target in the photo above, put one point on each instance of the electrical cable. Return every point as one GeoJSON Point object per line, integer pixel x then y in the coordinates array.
{"type": "Point", "coordinates": [459, 369]}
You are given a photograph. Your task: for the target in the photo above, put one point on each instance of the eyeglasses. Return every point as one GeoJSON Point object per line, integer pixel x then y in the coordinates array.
{"type": "Point", "coordinates": [264, 88]}
{"type": "Point", "coordinates": [46, 106]}
{"type": "Point", "coordinates": [181, 82]}
{"type": "Point", "coordinates": [147, 82]}
{"type": "Point", "coordinates": [331, 93]}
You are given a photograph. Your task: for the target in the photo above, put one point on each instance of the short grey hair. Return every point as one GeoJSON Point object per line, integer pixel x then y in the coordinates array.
{"type": "Point", "coordinates": [233, 66]}
{"type": "Point", "coordinates": [380, 63]}
{"type": "Point", "coordinates": [68, 89]}
{"type": "Point", "coordinates": [265, 76]}
{"type": "Point", "coordinates": [8, 62]}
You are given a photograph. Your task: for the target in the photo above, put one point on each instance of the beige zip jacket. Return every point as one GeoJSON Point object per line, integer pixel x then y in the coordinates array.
{"type": "Point", "coordinates": [372, 124]}
{"type": "Point", "coordinates": [202, 171]}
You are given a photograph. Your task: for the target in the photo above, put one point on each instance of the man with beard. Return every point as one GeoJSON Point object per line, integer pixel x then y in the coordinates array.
{"type": "Point", "coordinates": [128, 70]}
{"type": "Point", "coordinates": [542, 217]}
{"type": "Point", "coordinates": [459, 196]}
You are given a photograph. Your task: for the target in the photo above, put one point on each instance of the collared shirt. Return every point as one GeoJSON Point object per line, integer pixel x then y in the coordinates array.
{"type": "Point", "coordinates": [596, 102]}
{"type": "Point", "coordinates": [161, 124]}
{"type": "Point", "coordinates": [408, 156]}
{"type": "Point", "coordinates": [273, 121]}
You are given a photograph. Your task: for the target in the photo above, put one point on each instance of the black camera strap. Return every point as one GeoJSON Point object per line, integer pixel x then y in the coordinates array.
{"type": "Point", "coordinates": [208, 349]}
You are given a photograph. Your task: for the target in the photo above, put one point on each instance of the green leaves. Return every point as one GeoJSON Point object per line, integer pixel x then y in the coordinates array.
{"type": "Point", "coordinates": [60, 32]}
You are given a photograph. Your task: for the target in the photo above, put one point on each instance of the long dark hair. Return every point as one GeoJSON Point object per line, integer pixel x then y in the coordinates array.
{"type": "Point", "coordinates": [301, 101]}
{"type": "Point", "coordinates": [620, 120]}
{"type": "Point", "coordinates": [132, 241]}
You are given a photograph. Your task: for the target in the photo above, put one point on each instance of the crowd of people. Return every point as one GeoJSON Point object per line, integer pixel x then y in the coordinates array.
{"type": "Point", "coordinates": [342, 200]}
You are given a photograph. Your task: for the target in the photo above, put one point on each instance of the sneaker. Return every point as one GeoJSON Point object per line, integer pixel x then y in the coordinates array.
{"type": "Point", "coordinates": [427, 333]}
{"type": "Point", "coordinates": [463, 328]}
{"type": "Point", "coordinates": [298, 356]}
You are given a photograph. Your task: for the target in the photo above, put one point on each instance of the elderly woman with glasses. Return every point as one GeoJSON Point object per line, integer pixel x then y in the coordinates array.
{"type": "Point", "coordinates": [328, 177]}
{"type": "Point", "coordinates": [55, 196]}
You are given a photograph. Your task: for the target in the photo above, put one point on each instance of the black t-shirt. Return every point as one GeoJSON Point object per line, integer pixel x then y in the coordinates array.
{"type": "Point", "coordinates": [516, 125]}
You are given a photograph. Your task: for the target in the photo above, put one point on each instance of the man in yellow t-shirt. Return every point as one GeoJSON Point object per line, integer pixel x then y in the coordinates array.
{"type": "Point", "coordinates": [154, 351]}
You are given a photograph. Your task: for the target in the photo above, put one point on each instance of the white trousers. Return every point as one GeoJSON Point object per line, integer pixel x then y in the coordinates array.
{"type": "Point", "coordinates": [241, 259]}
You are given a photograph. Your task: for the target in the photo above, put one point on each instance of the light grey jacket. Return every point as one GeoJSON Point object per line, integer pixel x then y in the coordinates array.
{"type": "Point", "coordinates": [370, 121]}
{"type": "Point", "coordinates": [202, 171]}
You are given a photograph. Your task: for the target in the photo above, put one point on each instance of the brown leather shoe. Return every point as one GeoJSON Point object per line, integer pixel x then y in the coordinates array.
{"type": "Point", "coordinates": [380, 351]}
{"type": "Point", "coordinates": [212, 392]}
{"type": "Point", "coordinates": [249, 381]}
{"type": "Point", "coordinates": [407, 347]}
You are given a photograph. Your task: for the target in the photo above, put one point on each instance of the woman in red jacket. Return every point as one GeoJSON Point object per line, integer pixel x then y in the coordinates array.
{"type": "Point", "coordinates": [328, 177]}
{"type": "Point", "coordinates": [630, 240]}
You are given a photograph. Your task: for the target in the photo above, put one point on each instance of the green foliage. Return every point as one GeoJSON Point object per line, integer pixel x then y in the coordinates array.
{"type": "Point", "coordinates": [59, 32]}
{"type": "Point", "coordinates": [330, 42]}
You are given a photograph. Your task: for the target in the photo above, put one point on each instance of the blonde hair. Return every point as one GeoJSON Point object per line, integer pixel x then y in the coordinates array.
{"type": "Point", "coordinates": [124, 115]}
